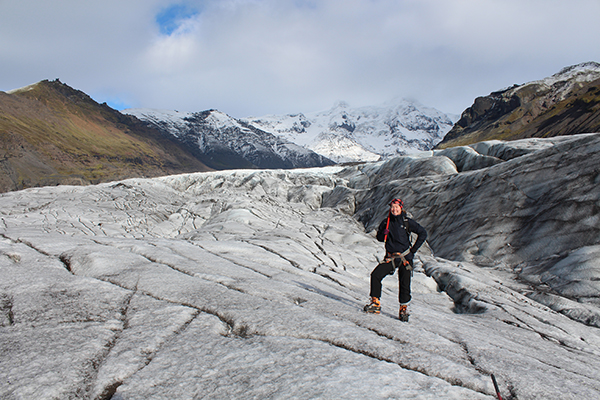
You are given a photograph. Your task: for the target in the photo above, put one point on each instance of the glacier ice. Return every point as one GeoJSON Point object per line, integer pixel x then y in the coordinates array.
{"type": "Point", "coordinates": [250, 284]}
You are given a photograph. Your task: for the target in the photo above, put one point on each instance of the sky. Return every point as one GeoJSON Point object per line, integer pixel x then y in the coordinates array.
{"type": "Point", "coordinates": [259, 57]}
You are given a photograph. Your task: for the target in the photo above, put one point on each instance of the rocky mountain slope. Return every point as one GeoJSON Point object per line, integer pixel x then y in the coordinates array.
{"type": "Point", "coordinates": [565, 103]}
{"type": "Point", "coordinates": [53, 134]}
{"type": "Point", "coordinates": [250, 284]}
{"type": "Point", "coordinates": [346, 134]}
{"type": "Point", "coordinates": [222, 142]}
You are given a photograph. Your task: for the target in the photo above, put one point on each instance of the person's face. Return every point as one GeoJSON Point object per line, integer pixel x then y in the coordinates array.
{"type": "Point", "coordinates": [396, 209]}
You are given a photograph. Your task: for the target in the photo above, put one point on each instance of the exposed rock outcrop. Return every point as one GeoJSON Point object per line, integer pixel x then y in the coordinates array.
{"type": "Point", "coordinates": [564, 104]}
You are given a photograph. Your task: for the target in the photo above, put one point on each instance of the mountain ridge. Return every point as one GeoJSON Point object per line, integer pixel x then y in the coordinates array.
{"type": "Point", "coordinates": [223, 142]}
{"type": "Point", "coordinates": [54, 134]}
{"type": "Point", "coordinates": [565, 103]}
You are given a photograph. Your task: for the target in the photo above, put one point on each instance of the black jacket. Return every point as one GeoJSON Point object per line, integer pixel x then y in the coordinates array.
{"type": "Point", "coordinates": [398, 240]}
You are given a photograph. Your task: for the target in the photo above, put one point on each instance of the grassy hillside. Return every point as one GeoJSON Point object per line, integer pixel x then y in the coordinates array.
{"type": "Point", "coordinates": [52, 134]}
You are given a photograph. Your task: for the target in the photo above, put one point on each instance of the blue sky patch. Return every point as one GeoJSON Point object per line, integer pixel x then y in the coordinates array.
{"type": "Point", "coordinates": [118, 104]}
{"type": "Point", "coordinates": [170, 18]}
{"type": "Point", "coordinates": [111, 101]}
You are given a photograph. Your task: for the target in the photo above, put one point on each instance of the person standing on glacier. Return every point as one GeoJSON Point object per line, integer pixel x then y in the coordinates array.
{"type": "Point", "coordinates": [395, 232]}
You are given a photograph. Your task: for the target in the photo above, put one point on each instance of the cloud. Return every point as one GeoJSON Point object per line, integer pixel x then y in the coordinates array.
{"type": "Point", "coordinates": [254, 57]}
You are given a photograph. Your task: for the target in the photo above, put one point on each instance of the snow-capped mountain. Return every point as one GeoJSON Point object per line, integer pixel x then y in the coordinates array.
{"type": "Point", "coordinates": [222, 142]}
{"type": "Point", "coordinates": [346, 134]}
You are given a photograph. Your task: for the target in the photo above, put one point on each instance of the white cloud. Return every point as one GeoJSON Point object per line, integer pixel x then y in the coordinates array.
{"type": "Point", "coordinates": [253, 57]}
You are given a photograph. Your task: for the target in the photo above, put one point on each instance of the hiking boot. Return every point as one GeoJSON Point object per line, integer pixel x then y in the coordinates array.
{"type": "Point", "coordinates": [403, 315]}
{"type": "Point", "coordinates": [374, 307]}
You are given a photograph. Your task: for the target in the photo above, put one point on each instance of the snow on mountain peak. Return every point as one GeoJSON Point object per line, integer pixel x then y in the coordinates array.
{"type": "Point", "coordinates": [176, 120]}
{"type": "Point", "coordinates": [342, 133]}
{"type": "Point", "coordinates": [340, 104]}
{"type": "Point", "coordinates": [586, 71]}
{"type": "Point", "coordinates": [346, 134]}
{"type": "Point", "coordinates": [564, 80]}
{"type": "Point", "coordinates": [225, 142]}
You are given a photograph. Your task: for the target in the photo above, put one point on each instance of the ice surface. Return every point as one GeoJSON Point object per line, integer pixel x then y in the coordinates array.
{"type": "Point", "coordinates": [250, 284]}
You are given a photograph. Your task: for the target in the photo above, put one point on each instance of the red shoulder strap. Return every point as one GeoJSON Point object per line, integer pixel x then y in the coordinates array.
{"type": "Point", "coordinates": [387, 226]}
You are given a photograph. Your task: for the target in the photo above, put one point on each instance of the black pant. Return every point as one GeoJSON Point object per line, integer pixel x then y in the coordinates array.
{"type": "Point", "coordinates": [384, 269]}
